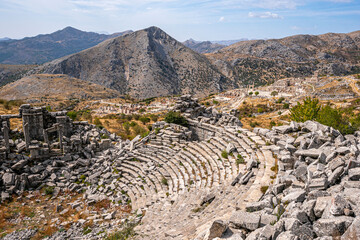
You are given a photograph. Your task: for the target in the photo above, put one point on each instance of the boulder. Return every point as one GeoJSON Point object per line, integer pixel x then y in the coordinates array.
{"type": "Point", "coordinates": [283, 129]}
{"type": "Point", "coordinates": [287, 236]}
{"type": "Point", "coordinates": [264, 233]}
{"type": "Point", "coordinates": [217, 229]}
{"type": "Point", "coordinates": [335, 175]}
{"type": "Point", "coordinates": [353, 232]}
{"type": "Point", "coordinates": [338, 205]}
{"type": "Point", "coordinates": [332, 226]}
{"type": "Point", "coordinates": [19, 165]}
{"type": "Point", "coordinates": [8, 178]}
{"type": "Point", "coordinates": [241, 219]}
{"type": "Point", "coordinates": [313, 153]}
{"type": "Point", "coordinates": [321, 204]}
{"type": "Point", "coordinates": [296, 196]}
{"type": "Point", "coordinates": [354, 174]}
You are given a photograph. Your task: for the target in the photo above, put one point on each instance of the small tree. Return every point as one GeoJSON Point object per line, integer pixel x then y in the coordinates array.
{"type": "Point", "coordinates": [308, 110]}
{"type": "Point", "coordinates": [175, 117]}
{"type": "Point", "coordinates": [251, 93]}
{"type": "Point", "coordinates": [274, 93]}
{"type": "Point", "coordinates": [256, 93]}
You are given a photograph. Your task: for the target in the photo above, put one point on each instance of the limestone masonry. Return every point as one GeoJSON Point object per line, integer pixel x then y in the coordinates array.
{"type": "Point", "coordinates": [213, 179]}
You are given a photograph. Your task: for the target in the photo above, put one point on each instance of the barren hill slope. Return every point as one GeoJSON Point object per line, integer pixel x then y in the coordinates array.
{"type": "Point", "coordinates": [10, 73]}
{"type": "Point", "coordinates": [144, 64]}
{"type": "Point", "coordinates": [262, 61]}
{"type": "Point", "coordinates": [55, 87]}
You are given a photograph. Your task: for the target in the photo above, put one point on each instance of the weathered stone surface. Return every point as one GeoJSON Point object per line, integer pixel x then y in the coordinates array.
{"type": "Point", "coordinates": [217, 229]}
{"type": "Point", "coordinates": [321, 204]}
{"type": "Point", "coordinates": [296, 196]}
{"type": "Point", "coordinates": [264, 233]}
{"type": "Point", "coordinates": [338, 205]}
{"type": "Point", "coordinates": [354, 174]}
{"type": "Point", "coordinates": [333, 226]}
{"type": "Point", "coordinates": [313, 153]}
{"type": "Point", "coordinates": [283, 129]}
{"type": "Point", "coordinates": [257, 206]}
{"type": "Point", "coordinates": [353, 232]}
{"type": "Point", "coordinates": [287, 236]}
{"type": "Point", "coordinates": [241, 219]}
{"type": "Point", "coordinates": [8, 178]}
{"type": "Point", "coordinates": [335, 175]}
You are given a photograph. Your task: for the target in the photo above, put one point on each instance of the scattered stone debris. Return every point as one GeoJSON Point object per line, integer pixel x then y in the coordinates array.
{"type": "Point", "coordinates": [210, 180]}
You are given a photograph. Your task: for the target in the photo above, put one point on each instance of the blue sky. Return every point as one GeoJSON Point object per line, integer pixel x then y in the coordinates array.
{"type": "Point", "coordinates": [182, 19]}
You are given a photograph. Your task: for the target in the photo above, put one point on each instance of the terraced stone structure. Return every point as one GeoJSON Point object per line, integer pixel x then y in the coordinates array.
{"type": "Point", "coordinates": [210, 180]}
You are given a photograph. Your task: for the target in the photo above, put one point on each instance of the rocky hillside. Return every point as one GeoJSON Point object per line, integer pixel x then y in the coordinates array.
{"type": "Point", "coordinates": [262, 61]}
{"type": "Point", "coordinates": [10, 73]}
{"type": "Point", "coordinates": [54, 87]}
{"type": "Point", "coordinates": [47, 47]}
{"type": "Point", "coordinates": [203, 47]}
{"type": "Point", "coordinates": [144, 64]}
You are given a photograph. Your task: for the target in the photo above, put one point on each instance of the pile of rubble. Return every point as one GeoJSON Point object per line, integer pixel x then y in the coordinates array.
{"type": "Point", "coordinates": [316, 191]}
{"type": "Point", "coordinates": [51, 151]}
{"type": "Point", "coordinates": [193, 110]}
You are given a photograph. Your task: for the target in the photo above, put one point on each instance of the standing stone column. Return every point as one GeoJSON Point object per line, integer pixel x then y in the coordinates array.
{"type": "Point", "coordinates": [6, 136]}
{"type": "Point", "coordinates": [26, 131]}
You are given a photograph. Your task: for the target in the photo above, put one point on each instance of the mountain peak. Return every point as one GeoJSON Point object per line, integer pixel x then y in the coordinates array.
{"type": "Point", "coordinates": [70, 29]}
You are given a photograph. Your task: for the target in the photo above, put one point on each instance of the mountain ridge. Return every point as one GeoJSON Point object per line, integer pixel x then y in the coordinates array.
{"type": "Point", "coordinates": [46, 47]}
{"type": "Point", "coordinates": [144, 64]}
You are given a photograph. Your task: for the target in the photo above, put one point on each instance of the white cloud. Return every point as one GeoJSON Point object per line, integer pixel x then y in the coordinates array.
{"type": "Point", "coordinates": [264, 15]}
{"type": "Point", "coordinates": [221, 19]}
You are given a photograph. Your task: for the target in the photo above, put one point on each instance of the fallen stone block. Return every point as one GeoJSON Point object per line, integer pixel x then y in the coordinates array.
{"type": "Point", "coordinates": [296, 196]}
{"type": "Point", "coordinates": [241, 219]}
{"type": "Point", "coordinates": [217, 229]}
{"type": "Point", "coordinates": [332, 226]}
{"type": "Point", "coordinates": [354, 174]}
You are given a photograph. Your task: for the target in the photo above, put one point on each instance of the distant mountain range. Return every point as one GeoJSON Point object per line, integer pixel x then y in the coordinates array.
{"type": "Point", "coordinates": [150, 63]}
{"type": "Point", "coordinates": [5, 39]}
{"type": "Point", "coordinates": [47, 47]}
{"type": "Point", "coordinates": [209, 46]}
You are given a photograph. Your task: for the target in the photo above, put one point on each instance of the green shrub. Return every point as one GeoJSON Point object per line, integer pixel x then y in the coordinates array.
{"type": "Point", "coordinates": [260, 110]}
{"type": "Point", "coordinates": [256, 93]}
{"type": "Point", "coordinates": [215, 102]}
{"type": "Point", "coordinates": [286, 106]}
{"type": "Point", "coordinates": [272, 123]}
{"type": "Point", "coordinates": [49, 190]}
{"type": "Point", "coordinates": [154, 117]}
{"type": "Point", "coordinates": [251, 93]}
{"type": "Point", "coordinates": [263, 189]}
{"type": "Point", "coordinates": [310, 109]}
{"type": "Point", "coordinates": [72, 115]}
{"type": "Point", "coordinates": [175, 117]}
{"type": "Point", "coordinates": [307, 110]}
{"type": "Point", "coordinates": [97, 122]}
{"type": "Point", "coordinates": [224, 154]}
{"type": "Point", "coordinates": [141, 110]}
{"type": "Point", "coordinates": [240, 160]}
{"type": "Point", "coordinates": [274, 93]}
{"type": "Point", "coordinates": [280, 100]}
{"type": "Point", "coordinates": [127, 232]}
{"type": "Point", "coordinates": [144, 119]}
{"type": "Point", "coordinates": [164, 181]}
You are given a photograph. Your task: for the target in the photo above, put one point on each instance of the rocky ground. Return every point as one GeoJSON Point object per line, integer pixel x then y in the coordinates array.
{"type": "Point", "coordinates": [210, 179]}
